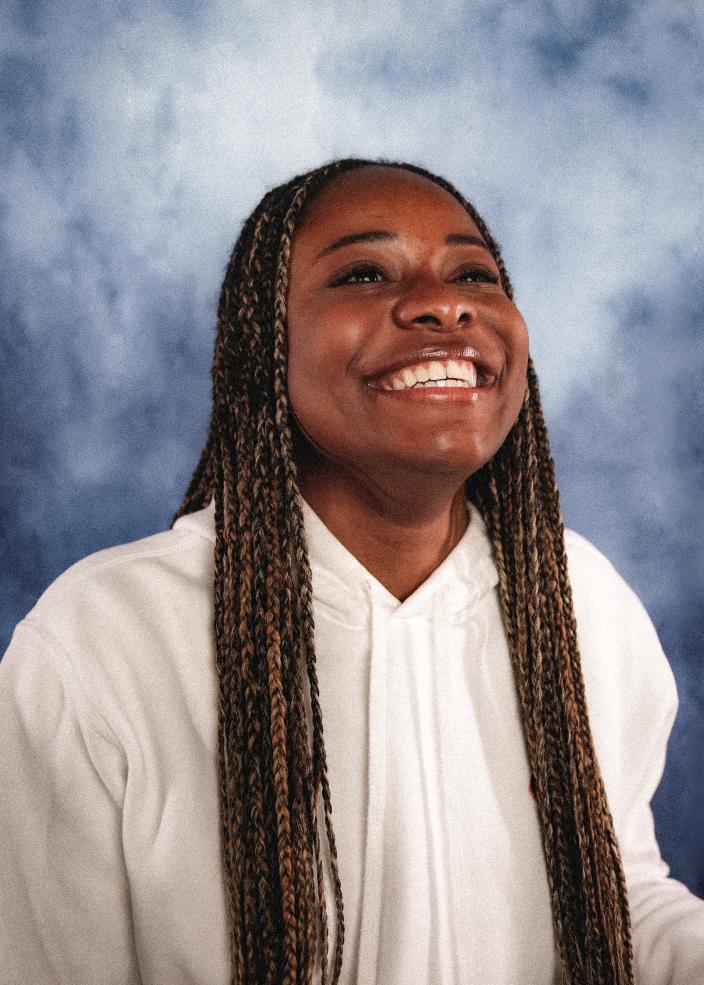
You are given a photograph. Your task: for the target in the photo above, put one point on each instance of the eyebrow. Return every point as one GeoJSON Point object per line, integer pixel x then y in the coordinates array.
{"type": "Point", "coordinates": [382, 236]}
{"type": "Point", "coordinates": [368, 236]}
{"type": "Point", "coordinates": [464, 239]}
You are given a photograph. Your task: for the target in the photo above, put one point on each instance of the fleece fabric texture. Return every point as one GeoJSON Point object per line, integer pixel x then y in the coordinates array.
{"type": "Point", "coordinates": [109, 819]}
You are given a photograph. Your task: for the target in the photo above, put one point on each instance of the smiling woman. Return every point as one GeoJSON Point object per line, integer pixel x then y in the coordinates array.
{"type": "Point", "coordinates": [367, 712]}
{"type": "Point", "coordinates": [378, 322]}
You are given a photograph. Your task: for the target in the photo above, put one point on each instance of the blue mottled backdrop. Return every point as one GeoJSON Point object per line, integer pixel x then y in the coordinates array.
{"type": "Point", "coordinates": [137, 135]}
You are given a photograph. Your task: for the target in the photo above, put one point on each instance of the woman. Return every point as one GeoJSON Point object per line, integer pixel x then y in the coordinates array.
{"type": "Point", "coordinates": [388, 747]}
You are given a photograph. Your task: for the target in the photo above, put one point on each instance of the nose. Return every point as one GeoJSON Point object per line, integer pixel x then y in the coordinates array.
{"type": "Point", "coordinates": [438, 306]}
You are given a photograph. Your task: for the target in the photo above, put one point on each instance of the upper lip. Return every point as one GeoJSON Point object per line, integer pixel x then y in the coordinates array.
{"type": "Point", "coordinates": [484, 361]}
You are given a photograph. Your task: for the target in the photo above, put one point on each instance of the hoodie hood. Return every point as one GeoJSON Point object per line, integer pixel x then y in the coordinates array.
{"type": "Point", "coordinates": [342, 584]}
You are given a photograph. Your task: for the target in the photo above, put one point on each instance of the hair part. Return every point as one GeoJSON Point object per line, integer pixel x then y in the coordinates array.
{"type": "Point", "coordinates": [271, 753]}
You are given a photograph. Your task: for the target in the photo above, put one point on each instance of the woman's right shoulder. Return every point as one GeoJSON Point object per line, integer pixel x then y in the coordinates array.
{"type": "Point", "coordinates": [138, 573]}
{"type": "Point", "coordinates": [129, 611]}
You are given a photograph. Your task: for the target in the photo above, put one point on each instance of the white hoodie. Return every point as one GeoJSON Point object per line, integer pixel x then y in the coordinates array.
{"type": "Point", "coordinates": [110, 861]}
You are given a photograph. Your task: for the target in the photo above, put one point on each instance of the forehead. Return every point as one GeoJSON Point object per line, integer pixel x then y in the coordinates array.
{"type": "Point", "coordinates": [381, 198]}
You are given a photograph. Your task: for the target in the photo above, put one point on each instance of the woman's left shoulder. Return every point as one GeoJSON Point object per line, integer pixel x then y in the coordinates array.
{"type": "Point", "coordinates": [618, 642]}
{"type": "Point", "coordinates": [592, 573]}
{"type": "Point", "coordinates": [599, 590]}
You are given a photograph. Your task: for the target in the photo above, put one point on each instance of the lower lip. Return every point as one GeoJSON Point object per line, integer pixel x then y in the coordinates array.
{"type": "Point", "coordinates": [438, 394]}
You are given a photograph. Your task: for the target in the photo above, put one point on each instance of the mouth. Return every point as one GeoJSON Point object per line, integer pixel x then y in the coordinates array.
{"type": "Point", "coordinates": [454, 380]}
{"type": "Point", "coordinates": [436, 394]}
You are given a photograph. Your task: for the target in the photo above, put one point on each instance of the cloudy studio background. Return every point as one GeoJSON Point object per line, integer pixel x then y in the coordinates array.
{"type": "Point", "coordinates": [135, 138]}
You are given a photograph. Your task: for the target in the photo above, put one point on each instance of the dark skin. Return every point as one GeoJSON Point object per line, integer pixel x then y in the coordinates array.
{"type": "Point", "coordinates": [386, 475]}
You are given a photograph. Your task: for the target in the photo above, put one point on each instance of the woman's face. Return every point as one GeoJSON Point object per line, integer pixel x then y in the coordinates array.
{"type": "Point", "coordinates": [388, 274]}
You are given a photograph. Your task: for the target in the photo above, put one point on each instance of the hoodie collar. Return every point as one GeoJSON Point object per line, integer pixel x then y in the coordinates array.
{"type": "Point", "coordinates": [342, 584]}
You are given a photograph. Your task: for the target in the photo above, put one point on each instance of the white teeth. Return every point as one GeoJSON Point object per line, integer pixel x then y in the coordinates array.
{"type": "Point", "coordinates": [453, 372]}
{"type": "Point", "coordinates": [463, 371]}
{"type": "Point", "coordinates": [397, 385]}
{"type": "Point", "coordinates": [436, 383]}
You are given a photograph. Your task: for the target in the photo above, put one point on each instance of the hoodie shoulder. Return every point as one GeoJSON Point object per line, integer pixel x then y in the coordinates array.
{"type": "Point", "coordinates": [621, 654]}
{"type": "Point", "coordinates": [148, 560]}
{"type": "Point", "coordinates": [129, 597]}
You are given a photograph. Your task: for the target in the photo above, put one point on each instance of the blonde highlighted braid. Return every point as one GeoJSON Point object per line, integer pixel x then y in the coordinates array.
{"type": "Point", "coordinates": [272, 768]}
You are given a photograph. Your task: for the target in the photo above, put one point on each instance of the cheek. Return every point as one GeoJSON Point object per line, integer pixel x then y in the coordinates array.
{"type": "Point", "coordinates": [322, 345]}
{"type": "Point", "coordinates": [516, 329]}
{"type": "Point", "coordinates": [301, 382]}
{"type": "Point", "coordinates": [517, 344]}
{"type": "Point", "coordinates": [313, 369]}
{"type": "Point", "coordinates": [516, 340]}
{"type": "Point", "coordinates": [302, 362]}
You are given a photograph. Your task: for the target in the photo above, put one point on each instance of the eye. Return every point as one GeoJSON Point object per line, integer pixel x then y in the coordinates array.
{"type": "Point", "coordinates": [365, 273]}
{"type": "Point", "coordinates": [477, 275]}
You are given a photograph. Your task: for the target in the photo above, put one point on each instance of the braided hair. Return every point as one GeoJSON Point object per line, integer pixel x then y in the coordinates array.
{"type": "Point", "coordinates": [272, 764]}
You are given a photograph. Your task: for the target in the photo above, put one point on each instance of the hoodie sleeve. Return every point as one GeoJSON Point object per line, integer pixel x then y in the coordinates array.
{"type": "Point", "coordinates": [632, 702]}
{"type": "Point", "coordinates": [667, 919]}
{"type": "Point", "coordinates": [65, 912]}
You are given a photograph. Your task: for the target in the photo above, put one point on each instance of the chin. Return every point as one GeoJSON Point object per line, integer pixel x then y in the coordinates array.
{"type": "Point", "coordinates": [457, 463]}
{"type": "Point", "coordinates": [446, 455]}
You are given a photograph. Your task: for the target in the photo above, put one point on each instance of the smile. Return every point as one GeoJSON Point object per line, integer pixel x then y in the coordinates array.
{"type": "Point", "coordinates": [447, 379]}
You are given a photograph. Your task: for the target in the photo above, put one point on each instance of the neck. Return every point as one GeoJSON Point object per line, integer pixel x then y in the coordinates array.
{"type": "Point", "coordinates": [400, 532]}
